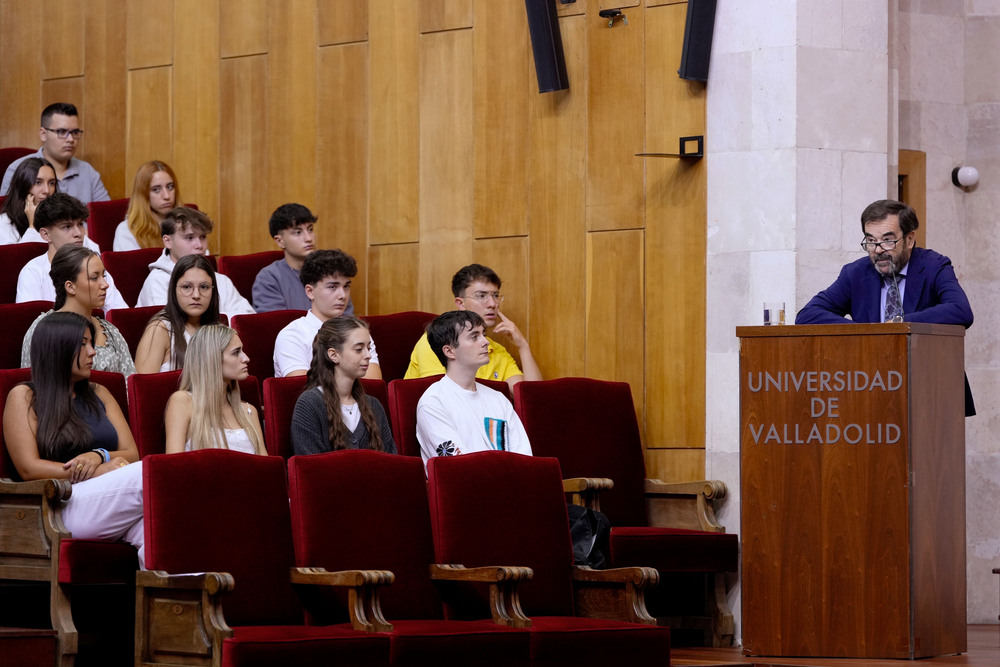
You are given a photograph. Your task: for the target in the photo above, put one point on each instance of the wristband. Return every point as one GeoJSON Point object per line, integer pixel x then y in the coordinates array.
{"type": "Point", "coordinates": [103, 453]}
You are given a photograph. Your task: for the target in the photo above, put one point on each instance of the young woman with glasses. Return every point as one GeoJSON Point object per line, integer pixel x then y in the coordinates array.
{"type": "Point", "coordinates": [192, 302]}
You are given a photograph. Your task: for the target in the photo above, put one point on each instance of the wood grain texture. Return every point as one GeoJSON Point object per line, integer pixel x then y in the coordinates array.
{"type": "Point", "coordinates": [149, 117]}
{"type": "Point", "coordinates": [291, 103]}
{"type": "Point", "coordinates": [913, 190]}
{"type": "Point", "coordinates": [446, 165]}
{"type": "Point", "coordinates": [149, 33]}
{"type": "Point", "coordinates": [502, 58]}
{"type": "Point", "coordinates": [392, 278]}
{"type": "Point", "coordinates": [342, 149]}
{"type": "Point", "coordinates": [675, 244]}
{"type": "Point", "coordinates": [437, 15]}
{"type": "Point", "coordinates": [509, 258]}
{"type": "Point", "coordinates": [393, 210]}
{"type": "Point", "coordinates": [105, 77]}
{"type": "Point", "coordinates": [196, 120]}
{"type": "Point", "coordinates": [615, 129]}
{"type": "Point", "coordinates": [20, 73]}
{"type": "Point", "coordinates": [342, 21]}
{"type": "Point", "coordinates": [64, 58]}
{"type": "Point", "coordinates": [242, 171]}
{"type": "Point", "coordinates": [242, 27]}
{"type": "Point", "coordinates": [675, 465]}
{"type": "Point", "coordinates": [615, 310]}
{"type": "Point", "coordinates": [557, 155]}
{"type": "Point", "coordinates": [845, 537]}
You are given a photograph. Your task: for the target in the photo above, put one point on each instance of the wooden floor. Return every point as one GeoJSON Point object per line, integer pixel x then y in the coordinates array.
{"type": "Point", "coordinates": [984, 651]}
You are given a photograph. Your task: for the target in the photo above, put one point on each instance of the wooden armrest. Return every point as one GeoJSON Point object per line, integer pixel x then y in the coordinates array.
{"type": "Point", "coordinates": [179, 616]}
{"type": "Point", "coordinates": [684, 504]}
{"type": "Point", "coordinates": [214, 583]}
{"type": "Point", "coordinates": [495, 573]}
{"type": "Point", "coordinates": [362, 599]}
{"type": "Point", "coordinates": [51, 489]}
{"type": "Point", "coordinates": [615, 594]}
{"type": "Point", "coordinates": [586, 490]}
{"type": "Point", "coordinates": [505, 602]}
{"type": "Point", "coordinates": [641, 577]}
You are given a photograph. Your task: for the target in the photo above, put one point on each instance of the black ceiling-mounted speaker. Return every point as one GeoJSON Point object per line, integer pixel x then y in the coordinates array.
{"type": "Point", "coordinates": [697, 40]}
{"type": "Point", "coordinates": [546, 44]}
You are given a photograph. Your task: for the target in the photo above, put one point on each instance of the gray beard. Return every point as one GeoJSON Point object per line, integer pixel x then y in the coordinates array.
{"type": "Point", "coordinates": [893, 267]}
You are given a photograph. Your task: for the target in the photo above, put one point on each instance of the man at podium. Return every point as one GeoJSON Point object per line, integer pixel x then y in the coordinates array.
{"type": "Point", "coordinates": [897, 282]}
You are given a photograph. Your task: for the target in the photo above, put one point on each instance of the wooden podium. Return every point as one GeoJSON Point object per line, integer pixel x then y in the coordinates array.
{"type": "Point", "coordinates": [853, 490]}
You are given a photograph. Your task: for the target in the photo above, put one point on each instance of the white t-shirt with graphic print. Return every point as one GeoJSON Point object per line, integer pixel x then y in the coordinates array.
{"type": "Point", "coordinates": [452, 421]}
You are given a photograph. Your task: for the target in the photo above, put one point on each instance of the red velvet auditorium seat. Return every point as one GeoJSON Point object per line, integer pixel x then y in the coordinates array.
{"type": "Point", "coordinates": [385, 525]}
{"type": "Point", "coordinates": [220, 583]}
{"type": "Point", "coordinates": [502, 508]}
{"type": "Point", "coordinates": [590, 426]}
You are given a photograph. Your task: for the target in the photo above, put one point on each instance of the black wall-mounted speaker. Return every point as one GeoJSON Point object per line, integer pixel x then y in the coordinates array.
{"type": "Point", "coordinates": [546, 44]}
{"type": "Point", "coordinates": [697, 40]}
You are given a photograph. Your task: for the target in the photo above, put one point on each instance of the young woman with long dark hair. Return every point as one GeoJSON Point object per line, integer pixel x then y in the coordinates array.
{"type": "Point", "coordinates": [60, 425]}
{"type": "Point", "coordinates": [334, 412]}
{"type": "Point", "coordinates": [81, 287]}
{"type": "Point", "coordinates": [192, 301]}
{"type": "Point", "coordinates": [33, 181]}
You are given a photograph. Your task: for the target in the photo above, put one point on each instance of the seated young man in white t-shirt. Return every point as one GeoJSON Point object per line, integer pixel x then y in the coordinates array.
{"type": "Point", "coordinates": [326, 276]}
{"type": "Point", "coordinates": [59, 220]}
{"type": "Point", "coordinates": [185, 232]}
{"type": "Point", "coordinates": [457, 415]}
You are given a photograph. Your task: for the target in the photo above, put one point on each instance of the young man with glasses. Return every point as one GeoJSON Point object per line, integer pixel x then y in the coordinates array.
{"type": "Point", "coordinates": [896, 282]}
{"type": "Point", "coordinates": [61, 134]}
{"type": "Point", "coordinates": [477, 288]}
{"type": "Point", "coordinates": [185, 231]}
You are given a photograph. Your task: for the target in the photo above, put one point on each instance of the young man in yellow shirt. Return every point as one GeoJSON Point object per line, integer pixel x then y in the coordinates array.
{"type": "Point", "coordinates": [477, 288]}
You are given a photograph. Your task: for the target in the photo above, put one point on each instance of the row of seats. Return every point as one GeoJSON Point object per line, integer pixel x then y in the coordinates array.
{"type": "Point", "coordinates": [588, 425]}
{"type": "Point", "coordinates": [473, 567]}
{"type": "Point", "coordinates": [395, 334]}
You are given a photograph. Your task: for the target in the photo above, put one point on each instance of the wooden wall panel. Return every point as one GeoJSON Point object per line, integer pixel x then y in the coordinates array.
{"type": "Point", "coordinates": [557, 152]}
{"type": "Point", "coordinates": [196, 117]}
{"type": "Point", "coordinates": [149, 117]}
{"type": "Point", "coordinates": [393, 211]}
{"type": "Point", "coordinates": [675, 246]}
{"type": "Point", "coordinates": [242, 27]}
{"type": "Point", "coordinates": [70, 90]}
{"type": "Point", "coordinates": [242, 167]}
{"type": "Point", "coordinates": [423, 147]}
{"type": "Point", "coordinates": [509, 258]}
{"type": "Point", "coordinates": [342, 21]}
{"type": "Point", "coordinates": [615, 121]}
{"type": "Point", "coordinates": [436, 15]}
{"type": "Point", "coordinates": [342, 202]}
{"type": "Point", "coordinates": [676, 465]}
{"type": "Point", "coordinates": [502, 58]}
{"type": "Point", "coordinates": [291, 103]}
{"type": "Point", "coordinates": [392, 278]}
{"type": "Point", "coordinates": [149, 33]}
{"type": "Point", "coordinates": [64, 32]}
{"type": "Point", "coordinates": [446, 164]}
{"type": "Point", "coordinates": [615, 310]}
{"type": "Point", "coordinates": [20, 74]}
{"type": "Point", "coordinates": [105, 79]}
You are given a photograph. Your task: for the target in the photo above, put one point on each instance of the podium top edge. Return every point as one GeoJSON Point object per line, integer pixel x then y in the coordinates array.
{"type": "Point", "coordinates": [850, 329]}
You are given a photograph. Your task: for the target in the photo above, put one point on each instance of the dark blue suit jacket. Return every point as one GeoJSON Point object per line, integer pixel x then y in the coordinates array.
{"type": "Point", "coordinates": [932, 294]}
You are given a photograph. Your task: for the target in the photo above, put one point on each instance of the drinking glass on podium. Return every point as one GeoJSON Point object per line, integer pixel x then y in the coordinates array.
{"type": "Point", "coordinates": [774, 312]}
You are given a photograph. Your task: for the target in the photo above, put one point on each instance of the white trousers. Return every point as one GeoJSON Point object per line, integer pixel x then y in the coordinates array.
{"type": "Point", "coordinates": [109, 507]}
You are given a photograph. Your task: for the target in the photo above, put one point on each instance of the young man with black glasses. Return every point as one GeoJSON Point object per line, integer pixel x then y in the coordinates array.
{"type": "Point", "coordinates": [60, 134]}
{"type": "Point", "coordinates": [477, 288]}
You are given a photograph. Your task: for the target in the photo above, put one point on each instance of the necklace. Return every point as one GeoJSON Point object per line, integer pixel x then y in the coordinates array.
{"type": "Point", "coordinates": [349, 408]}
